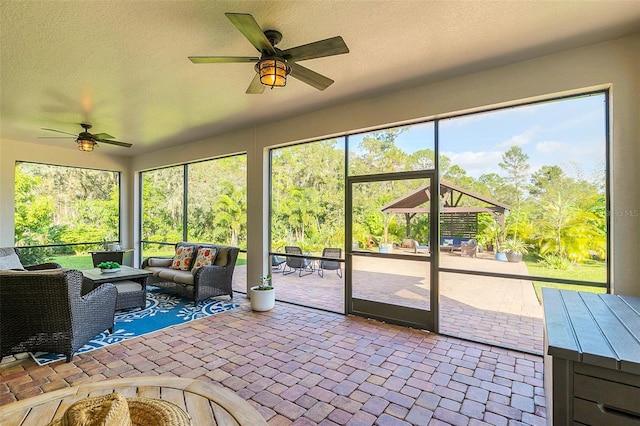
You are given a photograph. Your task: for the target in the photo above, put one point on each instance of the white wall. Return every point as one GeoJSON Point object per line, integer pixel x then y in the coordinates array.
{"type": "Point", "coordinates": [614, 65]}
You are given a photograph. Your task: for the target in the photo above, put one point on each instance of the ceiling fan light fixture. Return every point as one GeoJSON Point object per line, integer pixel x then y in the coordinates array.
{"type": "Point", "coordinates": [85, 145]}
{"type": "Point", "coordinates": [273, 72]}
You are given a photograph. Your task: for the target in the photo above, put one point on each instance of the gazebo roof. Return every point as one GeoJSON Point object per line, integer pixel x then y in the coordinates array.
{"type": "Point", "coordinates": [450, 195]}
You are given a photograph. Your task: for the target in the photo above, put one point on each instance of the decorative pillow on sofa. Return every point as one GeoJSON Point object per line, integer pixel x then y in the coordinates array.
{"type": "Point", "coordinates": [182, 259]}
{"type": "Point", "coordinates": [9, 259]}
{"type": "Point", "coordinates": [221, 258]}
{"type": "Point", "coordinates": [205, 257]}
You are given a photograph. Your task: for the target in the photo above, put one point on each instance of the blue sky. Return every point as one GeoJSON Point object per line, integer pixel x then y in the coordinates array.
{"type": "Point", "coordinates": [564, 133]}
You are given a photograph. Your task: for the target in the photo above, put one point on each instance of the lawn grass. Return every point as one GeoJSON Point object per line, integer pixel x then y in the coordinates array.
{"type": "Point", "coordinates": [594, 271]}
{"type": "Point", "coordinates": [83, 261]}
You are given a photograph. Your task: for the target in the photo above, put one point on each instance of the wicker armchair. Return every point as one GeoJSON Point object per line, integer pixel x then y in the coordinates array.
{"type": "Point", "coordinates": [9, 260]}
{"type": "Point", "coordinates": [44, 311]}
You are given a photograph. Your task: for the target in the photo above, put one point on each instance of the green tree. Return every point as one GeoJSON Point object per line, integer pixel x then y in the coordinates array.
{"type": "Point", "coordinates": [516, 164]}
{"type": "Point", "coordinates": [566, 221]}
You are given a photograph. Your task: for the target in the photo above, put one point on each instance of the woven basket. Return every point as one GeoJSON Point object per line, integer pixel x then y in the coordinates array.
{"type": "Point", "coordinates": [116, 410]}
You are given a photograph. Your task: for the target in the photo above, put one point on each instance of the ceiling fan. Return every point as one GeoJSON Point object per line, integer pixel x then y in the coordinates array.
{"type": "Point", "coordinates": [87, 141]}
{"type": "Point", "coordinates": [273, 65]}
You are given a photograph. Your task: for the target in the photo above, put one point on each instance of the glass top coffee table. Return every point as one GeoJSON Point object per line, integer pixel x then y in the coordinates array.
{"type": "Point", "coordinates": [130, 282]}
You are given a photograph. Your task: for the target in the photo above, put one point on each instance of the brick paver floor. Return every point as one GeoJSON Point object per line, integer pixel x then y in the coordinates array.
{"type": "Point", "coordinates": [498, 311]}
{"type": "Point", "coordinates": [303, 366]}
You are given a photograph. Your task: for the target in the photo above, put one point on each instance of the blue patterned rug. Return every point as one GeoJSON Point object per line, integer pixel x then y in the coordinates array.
{"type": "Point", "coordinates": [163, 309]}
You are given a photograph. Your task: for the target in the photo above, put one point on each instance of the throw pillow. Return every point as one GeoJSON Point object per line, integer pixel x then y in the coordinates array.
{"type": "Point", "coordinates": [182, 259]}
{"type": "Point", "coordinates": [221, 258]}
{"type": "Point", "coordinates": [10, 260]}
{"type": "Point", "coordinates": [156, 261]}
{"type": "Point", "coordinates": [205, 257]}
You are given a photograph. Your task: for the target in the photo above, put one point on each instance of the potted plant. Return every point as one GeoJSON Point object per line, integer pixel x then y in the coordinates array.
{"type": "Point", "coordinates": [107, 267]}
{"type": "Point", "coordinates": [514, 249]}
{"type": "Point", "coordinates": [263, 296]}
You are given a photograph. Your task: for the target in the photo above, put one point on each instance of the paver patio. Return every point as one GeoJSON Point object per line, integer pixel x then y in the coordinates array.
{"type": "Point", "coordinates": [498, 311]}
{"type": "Point", "coordinates": [302, 366]}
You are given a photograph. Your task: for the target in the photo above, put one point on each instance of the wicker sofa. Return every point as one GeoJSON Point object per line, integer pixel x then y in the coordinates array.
{"type": "Point", "coordinates": [196, 283]}
{"type": "Point", "coordinates": [45, 311]}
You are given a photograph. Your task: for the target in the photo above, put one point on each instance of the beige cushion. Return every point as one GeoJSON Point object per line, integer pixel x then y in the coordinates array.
{"type": "Point", "coordinates": [156, 261]}
{"type": "Point", "coordinates": [183, 277]}
{"type": "Point", "coordinates": [167, 273]}
{"type": "Point", "coordinates": [156, 269]}
{"type": "Point", "coordinates": [127, 286]}
{"type": "Point", "coordinates": [221, 258]}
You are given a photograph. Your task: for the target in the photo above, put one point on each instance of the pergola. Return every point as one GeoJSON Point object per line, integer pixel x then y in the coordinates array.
{"type": "Point", "coordinates": [450, 198]}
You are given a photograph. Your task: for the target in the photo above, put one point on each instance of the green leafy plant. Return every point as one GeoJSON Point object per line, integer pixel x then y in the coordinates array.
{"type": "Point", "coordinates": [515, 245]}
{"type": "Point", "coordinates": [265, 283]}
{"type": "Point", "coordinates": [108, 265]}
{"type": "Point", "coordinates": [551, 261]}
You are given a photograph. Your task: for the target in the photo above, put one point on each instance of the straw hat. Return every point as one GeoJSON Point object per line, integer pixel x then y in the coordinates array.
{"type": "Point", "coordinates": [116, 410]}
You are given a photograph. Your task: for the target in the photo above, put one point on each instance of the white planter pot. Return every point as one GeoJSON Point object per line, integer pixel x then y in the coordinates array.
{"type": "Point", "coordinates": [262, 300]}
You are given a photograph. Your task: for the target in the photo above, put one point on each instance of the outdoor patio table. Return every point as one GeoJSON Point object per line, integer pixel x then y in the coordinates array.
{"type": "Point", "coordinates": [130, 282]}
{"type": "Point", "coordinates": [205, 403]}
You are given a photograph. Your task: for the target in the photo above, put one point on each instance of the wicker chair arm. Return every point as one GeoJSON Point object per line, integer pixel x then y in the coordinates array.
{"type": "Point", "coordinates": [42, 266]}
{"type": "Point", "coordinates": [211, 273]}
{"type": "Point", "coordinates": [101, 294]}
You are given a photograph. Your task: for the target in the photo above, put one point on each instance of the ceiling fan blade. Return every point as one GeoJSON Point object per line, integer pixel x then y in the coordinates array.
{"type": "Point", "coordinates": [57, 137]}
{"type": "Point", "coordinates": [312, 78]}
{"type": "Point", "coordinates": [60, 131]}
{"type": "Point", "coordinates": [319, 49]}
{"type": "Point", "coordinates": [124, 144]}
{"type": "Point", "coordinates": [255, 88]}
{"type": "Point", "coordinates": [252, 31]}
{"type": "Point", "coordinates": [98, 136]}
{"type": "Point", "coordinates": [221, 59]}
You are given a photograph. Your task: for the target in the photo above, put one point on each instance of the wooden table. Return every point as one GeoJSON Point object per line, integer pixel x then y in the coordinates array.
{"type": "Point", "coordinates": [206, 403]}
{"type": "Point", "coordinates": [592, 358]}
{"type": "Point", "coordinates": [130, 282]}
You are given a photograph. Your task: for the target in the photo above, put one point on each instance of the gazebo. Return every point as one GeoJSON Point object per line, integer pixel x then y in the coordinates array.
{"type": "Point", "coordinates": [455, 219]}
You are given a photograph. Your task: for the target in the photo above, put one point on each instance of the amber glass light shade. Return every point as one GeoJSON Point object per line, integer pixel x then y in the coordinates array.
{"type": "Point", "coordinates": [273, 72]}
{"type": "Point", "coordinates": [85, 145]}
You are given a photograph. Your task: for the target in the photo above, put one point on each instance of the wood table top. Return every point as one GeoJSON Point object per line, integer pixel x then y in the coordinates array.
{"type": "Point", "coordinates": [206, 403]}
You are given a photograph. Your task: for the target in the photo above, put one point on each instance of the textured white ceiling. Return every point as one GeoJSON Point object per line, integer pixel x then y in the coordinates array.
{"type": "Point", "coordinates": [123, 67]}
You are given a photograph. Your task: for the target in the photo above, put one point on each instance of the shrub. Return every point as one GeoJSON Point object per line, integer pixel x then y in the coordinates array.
{"type": "Point", "coordinates": [553, 261]}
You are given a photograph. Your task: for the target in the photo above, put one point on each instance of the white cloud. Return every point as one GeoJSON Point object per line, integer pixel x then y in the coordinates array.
{"type": "Point", "coordinates": [523, 138]}
{"type": "Point", "coordinates": [549, 147]}
{"type": "Point", "coordinates": [476, 163]}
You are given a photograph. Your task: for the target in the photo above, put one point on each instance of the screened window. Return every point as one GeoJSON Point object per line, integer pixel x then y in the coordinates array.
{"type": "Point", "coordinates": [70, 209]}
{"type": "Point", "coordinates": [307, 196]}
{"type": "Point", "coordinates": [392, 150]}
{"type": "Point", "coordinates": [197, 202]}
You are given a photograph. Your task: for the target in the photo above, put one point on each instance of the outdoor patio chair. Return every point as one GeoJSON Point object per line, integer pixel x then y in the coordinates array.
{"type": "Point", "coordinates": [45, 311]}
{"type": "Point", "coordinates": [9, 260]}
{"type": "Point", "coordinates": [468, 248]}
{"type": "Point", "coordinates": [276, 262]}
{"type": "Point", "coordinates": [331, 265]}
{"type": "Point", "coordinates": [303, 265]}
